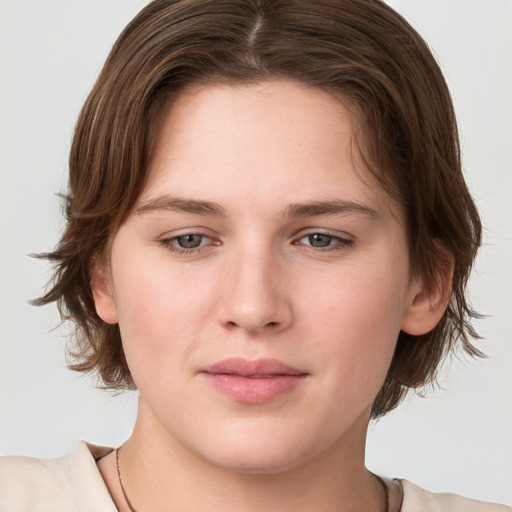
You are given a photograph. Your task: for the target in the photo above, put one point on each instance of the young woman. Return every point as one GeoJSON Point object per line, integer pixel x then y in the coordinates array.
{"type": "Point", "coordinates": [269, 237]}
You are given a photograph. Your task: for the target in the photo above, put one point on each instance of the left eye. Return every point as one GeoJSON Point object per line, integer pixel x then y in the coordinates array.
{"type": "Point", "coordinates": [320, 240]}
{"type": "Point", "coordinates": [189, 241]}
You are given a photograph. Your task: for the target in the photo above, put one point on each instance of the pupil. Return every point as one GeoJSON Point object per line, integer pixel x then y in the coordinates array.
{"type": "Point", "coordinates": [319, 240]}
{"type": "Point", "coordinates": [189, 241]}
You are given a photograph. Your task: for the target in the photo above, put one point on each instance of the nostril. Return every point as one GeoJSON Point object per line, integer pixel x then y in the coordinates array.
{"type": "Point", "coordinates": [272, 324]}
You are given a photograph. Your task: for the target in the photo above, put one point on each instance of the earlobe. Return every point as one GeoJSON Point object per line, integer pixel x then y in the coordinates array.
{"type": "Point", "coordinates": [102, 293]}
{"type": "Point", "coordinates": [427, 304]}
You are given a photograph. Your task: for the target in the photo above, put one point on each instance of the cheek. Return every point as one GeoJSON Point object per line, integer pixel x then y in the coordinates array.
{"type": "Point", "coordinates": [159, 316]}
{"type": "Point", "coordinates": [355, 324]}
{"type": "Point", "coordinates": [354, 303]}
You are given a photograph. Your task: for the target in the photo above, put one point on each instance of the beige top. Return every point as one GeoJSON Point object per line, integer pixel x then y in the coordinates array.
{"type": "Point", "coordinates": [73, 484]}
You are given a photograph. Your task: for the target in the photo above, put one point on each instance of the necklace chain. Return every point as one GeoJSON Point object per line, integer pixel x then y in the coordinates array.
{"type": "Point", "coordinates": [130, 506]}
{"type": "Point", "coordinates": [132, 509]}
{"type": "Point", "coordinates": [386, 493]}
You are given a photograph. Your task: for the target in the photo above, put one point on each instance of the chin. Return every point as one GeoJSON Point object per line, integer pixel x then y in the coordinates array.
{"type": "Point", "coordinates": [257, 453]}
{"type": "Point", "coordinates": [259, 464]}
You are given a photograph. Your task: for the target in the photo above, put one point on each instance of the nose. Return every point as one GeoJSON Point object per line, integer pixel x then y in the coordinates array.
{"type": "Point", "coordinates": [255, 297]}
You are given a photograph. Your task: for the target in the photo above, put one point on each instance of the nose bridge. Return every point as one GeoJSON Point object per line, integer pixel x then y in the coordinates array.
{"type": "Point", "coordinates": [254, 296]}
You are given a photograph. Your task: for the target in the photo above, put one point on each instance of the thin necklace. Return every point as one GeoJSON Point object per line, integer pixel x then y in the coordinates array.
{"type": "Point", "coordinates": [130, 506]}
{"type": "Point", "coordinates": [132, 509]}
{"type": "Point", "coordinates": [386, 493]}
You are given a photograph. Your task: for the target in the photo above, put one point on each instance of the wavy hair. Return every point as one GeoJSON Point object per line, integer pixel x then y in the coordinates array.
{"type": "Point", "coordinates": [360, 50]}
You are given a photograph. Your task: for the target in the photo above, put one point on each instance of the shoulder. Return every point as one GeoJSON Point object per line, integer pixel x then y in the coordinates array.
{"type": "Point", "coordinates": [71, 483]}
{"type": "Point", "coordinates": [417, 499]}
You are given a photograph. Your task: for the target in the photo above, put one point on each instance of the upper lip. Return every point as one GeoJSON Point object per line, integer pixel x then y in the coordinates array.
{"type": "Point", "coordinates": [246, 368]}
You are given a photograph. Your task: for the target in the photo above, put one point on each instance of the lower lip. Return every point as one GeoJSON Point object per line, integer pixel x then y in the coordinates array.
{"type": "Point", "coordinates": [253, 391]}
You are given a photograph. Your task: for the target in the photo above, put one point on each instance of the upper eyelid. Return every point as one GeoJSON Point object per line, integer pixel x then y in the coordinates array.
{"type": "Point", "coordinates": [186, 231]}
{"type": "Point", "coordinates": [204, 232]}
{"type": "Point", "coordinates": [300, 234]}
{"type": "Point", "coordinates": [169, 239]}
{"type": "Point", "coordinates": [341, 240]}
{"type": "Point", "coordinates": [328, 232]}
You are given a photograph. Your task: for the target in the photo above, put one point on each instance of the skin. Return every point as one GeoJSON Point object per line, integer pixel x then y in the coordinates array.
{"type": "Point", "coordinates": [325, 290]}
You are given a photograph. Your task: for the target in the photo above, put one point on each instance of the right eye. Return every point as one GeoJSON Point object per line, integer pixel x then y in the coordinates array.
{"type": "Point", "coordinates": [187, 243]}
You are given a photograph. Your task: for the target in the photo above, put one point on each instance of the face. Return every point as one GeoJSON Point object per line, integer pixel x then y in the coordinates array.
{"type": "Point", "coordinates": [261, 283]}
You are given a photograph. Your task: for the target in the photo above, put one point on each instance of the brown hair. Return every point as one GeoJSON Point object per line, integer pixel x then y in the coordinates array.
{"type": "Point", "coordinates": [360, 50]}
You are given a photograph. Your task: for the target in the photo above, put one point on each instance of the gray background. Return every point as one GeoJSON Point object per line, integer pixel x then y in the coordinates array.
{"type": "Point", "coordinates": [457, 439]}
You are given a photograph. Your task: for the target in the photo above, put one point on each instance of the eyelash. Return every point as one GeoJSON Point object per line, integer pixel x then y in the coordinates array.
{"type": "Point", "coordinates": [168, 243]}
{"type": "Point", "coordinates": [337, 243]}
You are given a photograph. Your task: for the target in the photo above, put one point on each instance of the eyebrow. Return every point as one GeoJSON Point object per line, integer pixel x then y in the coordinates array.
{"type": "Point", "coordinates": [334, 207]}
{"type": "Point", "coordinates": [179, 204]}
{"type": "Point", "coordinates": [310, 209]}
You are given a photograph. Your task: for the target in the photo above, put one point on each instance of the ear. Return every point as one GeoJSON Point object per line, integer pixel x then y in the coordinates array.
{"type": "Point", "coordinates": [102, 292]}
{"type": "Point", "coordinates": [427, 302]}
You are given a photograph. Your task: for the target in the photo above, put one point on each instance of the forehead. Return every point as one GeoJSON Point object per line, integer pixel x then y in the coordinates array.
{"type": "Point", "coordinates": [263, 142]}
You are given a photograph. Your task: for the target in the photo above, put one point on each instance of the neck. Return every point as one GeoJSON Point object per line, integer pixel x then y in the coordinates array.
{"type": "Point", "coordinates": [159, 473]}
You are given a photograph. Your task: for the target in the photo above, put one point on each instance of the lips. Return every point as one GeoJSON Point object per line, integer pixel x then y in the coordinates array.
{"type": "Point", "coordinates": [253, 382]}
